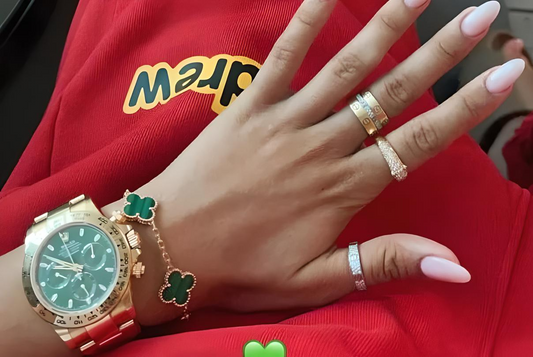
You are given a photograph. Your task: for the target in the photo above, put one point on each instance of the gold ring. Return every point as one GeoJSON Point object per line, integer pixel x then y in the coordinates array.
{"type": "Point", "coordinates": [363, 117]}
{"type": "Point", "coordinates": [380, 114]}
{"type": "Point", "coordinates": [397, 168]}
{"type": "Point", "coordinates": [370, 112]}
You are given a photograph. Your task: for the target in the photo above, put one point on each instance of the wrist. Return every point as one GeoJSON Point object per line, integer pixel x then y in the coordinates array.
{"type": "Point", "coordinates": [149, 308]}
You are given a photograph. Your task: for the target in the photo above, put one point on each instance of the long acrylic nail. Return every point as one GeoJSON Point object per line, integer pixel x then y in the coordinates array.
{"type": "Point", "coordinates": [444, 270]}
{"type": "Point", "coordinates": [414, 4]}
{"type": "Point", "coordinates": [505, 76]}
{"type": "Point", "coordinates": [479, 20]}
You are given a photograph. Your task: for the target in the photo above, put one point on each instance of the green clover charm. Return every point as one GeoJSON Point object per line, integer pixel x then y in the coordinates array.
{"type": "Point", "coordinates": [177, 287]}
{"type": "Point", "coordinates": [137, 208]}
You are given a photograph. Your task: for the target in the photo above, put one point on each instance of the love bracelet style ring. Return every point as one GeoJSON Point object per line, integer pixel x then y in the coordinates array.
{"type": "Point", "coordinates": [376, 108]}
{"type": "Point", "coordinates": [355, 266]}
{"type": "Point", "coordinates": [397, 168]}
{"type": "Point", "coordinates": [369, 112]}
{"type": "Point", "coordinates": [362, 114]}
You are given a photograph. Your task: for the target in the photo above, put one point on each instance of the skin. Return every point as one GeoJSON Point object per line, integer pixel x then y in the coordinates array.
{"type": "Point", "coordinates": [524, 86]}
{"type": "Point", "coordinates": [275, 178]}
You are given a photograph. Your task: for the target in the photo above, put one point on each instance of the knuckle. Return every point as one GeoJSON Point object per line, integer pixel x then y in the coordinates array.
{"type": "Point", "coordinates": [424, 138]}
{"type": "Point", "coordinates": [390, 23]}
{"type": "Point", "coordinates": [283, 53]}
{"type": "Point", "coordinates": [392, 263]}
{"type": "Point", "coordinates": [444, 53]}
{"type": "Point", "coordinates": [305, 18]}
{"type": "Point", "coordinates": [398, 91]}
{"type": "Point", "coordinates": [348, 65]}
{"type": "Point", "coordinates": [470, 106]}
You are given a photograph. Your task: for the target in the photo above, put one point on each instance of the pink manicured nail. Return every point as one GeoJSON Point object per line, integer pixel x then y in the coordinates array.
{"type": "Point", "coordinates": [479, 20]}
{"type": "Point", "coordinates": [444, 270]}
{"type": "Point", "coordinates": [415, 3]}
{"type": "Point", "coordinates": [505, 76]}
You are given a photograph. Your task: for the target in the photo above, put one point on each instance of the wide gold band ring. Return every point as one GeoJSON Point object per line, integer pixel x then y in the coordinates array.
{"type": "Point", "coordinates": [397, 168]}
{"type": "Point", "coordinates": [363, 116]}
{"type": "Point", "coordinates": [376, 108]}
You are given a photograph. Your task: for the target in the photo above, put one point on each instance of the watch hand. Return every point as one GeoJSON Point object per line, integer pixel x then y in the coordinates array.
{"type": "Point", "coordinates": [92, 251]}
{"type": "Point", "coordinates": [62, 240]}
{"type": "Point", "coordinates": [77, 269]}
{"type": "Point", "coordinates": [64, 264]}
{"type": "Point", "coordinates": [58, 261]}
{"type": "Point", "coordinates": [59, 275]}
{"type": "Point", "coordinates": [83, 287]}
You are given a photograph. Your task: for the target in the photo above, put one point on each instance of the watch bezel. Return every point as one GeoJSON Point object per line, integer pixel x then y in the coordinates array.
{"type": "Point", "coordinates": [38, 233]}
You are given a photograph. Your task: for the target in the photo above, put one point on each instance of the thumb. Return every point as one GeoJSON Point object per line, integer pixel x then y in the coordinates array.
{"type": "Point", "coordinates": [401, 256]}
{"type": "Point", "coordinates": [391, 257]}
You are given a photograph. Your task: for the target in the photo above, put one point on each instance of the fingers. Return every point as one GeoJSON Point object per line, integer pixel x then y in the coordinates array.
{"type": "Point", "coordinates": [430, 133]}
{"type": "Point", "coordinates": [392, 257]}
{"type": "Point", "coordinates": [411, 79]}
{"type": "Point", "coordinates": [274, 78]}
{"type": "Point", "coordinates": [355, 61]}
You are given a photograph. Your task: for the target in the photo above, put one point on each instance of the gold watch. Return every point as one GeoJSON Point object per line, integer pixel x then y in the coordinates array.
{"type": "Point", "coordinates": [76, 275]}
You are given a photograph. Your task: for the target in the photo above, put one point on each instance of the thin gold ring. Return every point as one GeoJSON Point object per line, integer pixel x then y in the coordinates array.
{"type": "Point", "coordinates": [379, 113]}
{"type": "Point", "coordinates": [397, 168]}
{"type": "Point", "coordinates": [364, 118]}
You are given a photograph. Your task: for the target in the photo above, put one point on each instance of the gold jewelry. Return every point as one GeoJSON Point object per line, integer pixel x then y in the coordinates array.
{"type": "Point", "coordinates": [69, 227]}
{"type": "Point", "coordinates": [363, 117]}
{"type": "Point", "coordinates": [177, 284]}
{"type": "Point", "coordinates": [378, 111]}
{"type": "Point", "coordinates": [369, 111]}
{"type": "Point", "coordinates": [397, 168]}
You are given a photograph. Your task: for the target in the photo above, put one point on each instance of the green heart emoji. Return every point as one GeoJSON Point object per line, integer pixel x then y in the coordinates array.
{"type": "Point", "coordinates": [272, 349]}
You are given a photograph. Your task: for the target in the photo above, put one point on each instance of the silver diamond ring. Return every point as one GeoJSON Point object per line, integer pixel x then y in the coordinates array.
{"type": "Point", "coordinates": [355, 266]}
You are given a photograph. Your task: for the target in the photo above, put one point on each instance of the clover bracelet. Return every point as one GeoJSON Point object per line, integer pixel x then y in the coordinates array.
{"type": "Point", "coordinates": [177, 284]}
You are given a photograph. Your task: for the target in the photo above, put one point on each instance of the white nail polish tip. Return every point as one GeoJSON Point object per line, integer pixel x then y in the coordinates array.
{"type": "Point", "coordinates": [505, 76]}
{"type": "Point", "coordinates": [479, 20]}
{"type": "Point", "coordinates": [444, 270]}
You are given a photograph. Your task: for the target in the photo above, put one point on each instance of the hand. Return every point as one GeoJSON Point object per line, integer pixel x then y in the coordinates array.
{"type": "Point", "coordinates": [255, 204]}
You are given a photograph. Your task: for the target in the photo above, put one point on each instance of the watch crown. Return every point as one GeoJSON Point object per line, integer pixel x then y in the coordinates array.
{"type": "Point", "coordinates": [138, 269]}
{"type": "Point", "coordinates": [134, 239]}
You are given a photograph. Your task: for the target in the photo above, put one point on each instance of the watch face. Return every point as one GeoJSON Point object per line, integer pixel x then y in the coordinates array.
{"type": "Point", "coordinates": [75, 268]}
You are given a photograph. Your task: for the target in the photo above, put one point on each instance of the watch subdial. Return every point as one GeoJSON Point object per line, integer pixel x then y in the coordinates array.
{"type": "Point", "coordinates": [94, 256]}
{"type": "Point", "coordinates": [83, 287]}
{"type": "Point", "coordinates": [57, 279]}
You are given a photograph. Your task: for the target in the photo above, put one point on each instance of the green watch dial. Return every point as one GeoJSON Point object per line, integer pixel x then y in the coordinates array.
{"type": "Point", "coordinates": [76, 268]}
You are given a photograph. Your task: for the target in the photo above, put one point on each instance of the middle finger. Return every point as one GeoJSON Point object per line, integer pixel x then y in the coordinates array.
{"type": "Point", "coordinates": [355, 61]}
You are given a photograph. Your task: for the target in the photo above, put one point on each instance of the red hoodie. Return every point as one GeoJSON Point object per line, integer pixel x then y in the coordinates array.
{"type": "Point", "coordinates": [105, 120]}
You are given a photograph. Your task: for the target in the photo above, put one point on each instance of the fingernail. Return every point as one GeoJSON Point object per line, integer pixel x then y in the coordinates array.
{"type": "Point", "coordinates": [479, 20]}
{"type": "Point", "coordinates": [444, 270]}
{"type": "Point", "coordinates": [505, 76]}
{"type": "Point", "coordinates": [415, 3]}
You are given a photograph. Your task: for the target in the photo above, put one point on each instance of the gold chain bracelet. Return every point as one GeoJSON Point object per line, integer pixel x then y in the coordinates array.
{"type": "Point", "coordinates": [177, 284]}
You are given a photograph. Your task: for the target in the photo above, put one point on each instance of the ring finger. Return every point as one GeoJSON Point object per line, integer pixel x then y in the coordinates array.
{"type": "Point", "coordinates": [430, 133]}
{"type": "Point", "coordinates": [401, 87]}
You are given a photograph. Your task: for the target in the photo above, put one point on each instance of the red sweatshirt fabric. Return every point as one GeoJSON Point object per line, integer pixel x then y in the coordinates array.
{"type": "Point", "coordinates": [518, 154]}
{"type": "Point", "coordinates": [104, 123]}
